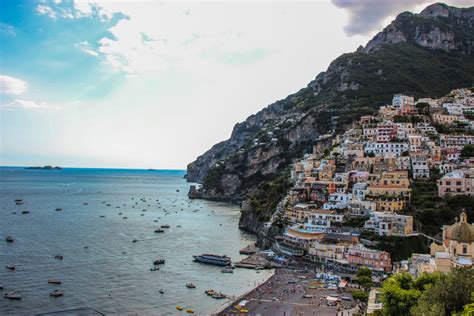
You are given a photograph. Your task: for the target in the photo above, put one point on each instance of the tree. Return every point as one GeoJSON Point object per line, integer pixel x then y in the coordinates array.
{"type": "Point", "coordinates": [360, 295]}
{"type": "Point", "coordinates": [467, 151]}
{"type": "Point", "coordinates": [448, 295]}
{"type": "Point", "coordinates": [423, 108]}
{"type": "Point", "coordinates": [400, 292]}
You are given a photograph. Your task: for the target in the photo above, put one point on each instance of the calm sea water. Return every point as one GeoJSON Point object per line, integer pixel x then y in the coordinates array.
{"type": "Point", "coordinates": [112, 274]}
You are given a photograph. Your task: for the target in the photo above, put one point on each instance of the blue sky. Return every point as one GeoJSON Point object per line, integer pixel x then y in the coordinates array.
{"type": "Point", "coordinates": [152, 84]}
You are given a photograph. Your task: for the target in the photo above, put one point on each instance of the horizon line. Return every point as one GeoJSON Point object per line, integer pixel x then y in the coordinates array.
{"type": "Point", "coordinates": [112, 168]}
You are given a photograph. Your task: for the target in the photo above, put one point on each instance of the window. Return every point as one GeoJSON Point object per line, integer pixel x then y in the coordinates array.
{"type": "Point", "coordinates": [464, 249]}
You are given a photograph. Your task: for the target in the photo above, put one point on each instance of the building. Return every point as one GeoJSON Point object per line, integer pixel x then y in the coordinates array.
{"type": "Point", "coordinates": [457, 249]}
{"type": "Point", "coordinates": [382, 149]}
{"type": "Point", "coordinates": [391, 184]}
{"type": "Point", "coordinates": [325, 217]}
{"type": "Point", "coordinates": [358, 255]}
{"type": "Point", "coordinates": [389, 224]}
{"type": "Point", "coordinates": [457, 182]}
{"type": "Point", "coordinates": [419, 167]}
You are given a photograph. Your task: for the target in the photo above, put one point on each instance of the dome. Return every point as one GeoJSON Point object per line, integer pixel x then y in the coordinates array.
{"type": "Point", "coordinates": [462, 231]}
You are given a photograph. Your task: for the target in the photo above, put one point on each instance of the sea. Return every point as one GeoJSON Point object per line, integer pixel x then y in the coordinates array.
{"type": "Point", "coordinates": [103, 211]}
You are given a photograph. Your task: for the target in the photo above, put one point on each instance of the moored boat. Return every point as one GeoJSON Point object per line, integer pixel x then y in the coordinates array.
{"type": "Point", "coordinates": [54, 281]}
{"type": "Point", "coordinates": [165, 226]}
{"type": "Point", "coordinates": [159, 261]}
{"type": "Point", "coordinates": [11, 267]}
{"type": "Point", "coordinates": [180, 308]}
{"type": "Point", "coordinates": [190, 286]}
{"type": "Point", "coordinates": [154, 269]}
{"type": "Point", "coordinates": [227, 270]}
{"type": "Point", "coordinates": [159, 230]}
{"type": "Point", "coordinates": [12, 296]}
{"type": "Point", "coordinates": [56, 293]}
{"type": "Point", "coordinates": [213, 259]}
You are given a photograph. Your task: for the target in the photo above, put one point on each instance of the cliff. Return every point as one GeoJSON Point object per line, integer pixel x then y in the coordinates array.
{"type": "Point", "coordinates": [425, 54]}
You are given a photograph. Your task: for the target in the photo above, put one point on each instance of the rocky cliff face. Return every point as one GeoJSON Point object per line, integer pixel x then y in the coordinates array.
{"type": "Point", "coordinates": [425, 54]}
{"type": "Point", "coordinates": [437, 27]}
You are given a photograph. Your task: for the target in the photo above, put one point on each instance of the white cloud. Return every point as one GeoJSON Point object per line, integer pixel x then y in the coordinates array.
{"type": "Point", "coordinates": [85, 47]}
{"type": "Point", "coordinates": [29, 105]}
{"type": "Point", "coordinates": [13, 86]}
{"type": "Point", "coordinates": [46, 10]}
{"type": "Point", "coordinates": [7, 29]}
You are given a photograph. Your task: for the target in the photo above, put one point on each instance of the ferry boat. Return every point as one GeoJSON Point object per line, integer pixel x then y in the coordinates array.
{"type": "Point", "coordinates": [213, 259]}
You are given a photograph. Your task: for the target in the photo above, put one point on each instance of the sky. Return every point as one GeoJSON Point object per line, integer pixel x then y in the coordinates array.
{"type": "Point", "coordinates": [154, 84]}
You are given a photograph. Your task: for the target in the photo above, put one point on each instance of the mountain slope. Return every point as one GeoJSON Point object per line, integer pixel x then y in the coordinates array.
{"type": "Point", "coordinates": [425, 54]}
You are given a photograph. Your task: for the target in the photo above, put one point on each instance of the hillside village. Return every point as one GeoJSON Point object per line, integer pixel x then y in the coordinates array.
{"type": "Point", "coordinates": [363, 186]}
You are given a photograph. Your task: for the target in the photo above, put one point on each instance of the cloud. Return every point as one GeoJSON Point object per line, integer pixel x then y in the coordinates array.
{"type": "Point", "coordinates": [367, 16]}
{"type": "Point", "coordinates": [7, 29]}
{"type": "Point", "coordinates": [29, 105]}
{"type": "Point", "coordinates": [46, 10]}
{"type": "Point", "coordinates": [13, 86]}
{"type": "Point", "coordinates": [85, 47]}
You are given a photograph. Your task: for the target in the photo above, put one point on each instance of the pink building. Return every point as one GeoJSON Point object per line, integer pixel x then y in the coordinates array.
{"type": "Point", "coordinates": [457, 182]}
{"type": "Point", "coordinates": [359, 255]}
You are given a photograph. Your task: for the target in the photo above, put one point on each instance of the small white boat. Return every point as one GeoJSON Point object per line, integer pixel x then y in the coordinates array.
{"type": "Point", "coordinates": [12, 296]}
{"type": "Point", "coordinates": [155, 268]}
{"type": "Point", "coordinates": [161, 291]}
{"type": "Point", "coordinates": [190, 286]}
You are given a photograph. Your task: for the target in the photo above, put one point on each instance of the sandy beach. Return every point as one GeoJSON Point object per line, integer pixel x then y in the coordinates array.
{"type": "Point", "coordinates": [289, 293]}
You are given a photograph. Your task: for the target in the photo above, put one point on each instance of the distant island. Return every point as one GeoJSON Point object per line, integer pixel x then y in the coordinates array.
{"type": "Point", "coordinates": [45, 168]}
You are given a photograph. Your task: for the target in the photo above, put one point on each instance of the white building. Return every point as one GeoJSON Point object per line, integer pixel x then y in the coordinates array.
{"type": "Point", "coordinates": [389, 224]}
{"type": "Point", "coordinates": [382, 149]}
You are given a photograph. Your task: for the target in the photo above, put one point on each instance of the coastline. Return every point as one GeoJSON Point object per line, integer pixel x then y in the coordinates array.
{"type": "Point", "coordinates": [219, 310]}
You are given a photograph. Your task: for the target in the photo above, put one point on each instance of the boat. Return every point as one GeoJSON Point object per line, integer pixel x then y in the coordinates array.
{"type": "Point", "coordinates": [210, 292]}
{"type": "Point", "coordinates": [25, 212]}
{"type": "Point", "coordinates": [165, 226]}
{"type": "Point", "coordinates": [134, 240]}
{"type": "Point", "coordinates": [9, 239]}
{"type": "Point", "coordinates": [189, 311]}
{"type": "Point", "coordinates": [56, 293]}
{"type": "Point", "coordinates": [54, 281]}
{"type": "Point", "coordinates": [161, 291]}
{"type": "Point", "coordinates": [213, 259]}
{"type": "Point", "coordinates": [154, 269]}
{"type": "Point", "coordinates": [159, 230]}
{"type": "Point", "coordinates": [180, 308]}
{"type": "Point", "coordinates": [227, 270]}
{"type": "Point", "coordinates": [18, 200]}
{"type": "Point", "coordinates": [19, 203]}
{"type": "Point", "coordinates": [190, 286]}
{"type": "Point", "coordinates": [12, 296]}
{"type": "Point", "coordinates": [159, 261]}
{"type": "Point", "coordinates": [59, 257]}
{"type": "Point", "coordinates": [11, 266]}
{"type": "Point", "coordinates": [58, 209]}
{"type": "Point", "coordinates": [218, 296]}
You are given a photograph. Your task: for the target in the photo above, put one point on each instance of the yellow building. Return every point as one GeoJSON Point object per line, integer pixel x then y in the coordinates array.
{"type": "Point", "coordinates": [390, 184]}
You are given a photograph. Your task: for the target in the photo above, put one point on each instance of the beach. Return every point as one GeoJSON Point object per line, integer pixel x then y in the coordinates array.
{"type": "Point", "coordinates": [282, 294]}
